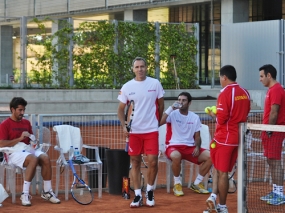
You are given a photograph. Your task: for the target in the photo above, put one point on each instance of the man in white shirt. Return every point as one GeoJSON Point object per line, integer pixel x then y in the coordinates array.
{"type": "Point", "coordinates": [147, 94]}
{"type": "Point", "coordinates": [185, 143]}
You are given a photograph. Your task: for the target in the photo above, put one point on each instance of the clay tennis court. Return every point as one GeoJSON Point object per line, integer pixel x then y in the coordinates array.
{"type": "Point", "coordinates": [190, 202]}
{"type": "Point", "coordinates": [111, 136]}
{"type": "Point", "coordinates": [107, 136]}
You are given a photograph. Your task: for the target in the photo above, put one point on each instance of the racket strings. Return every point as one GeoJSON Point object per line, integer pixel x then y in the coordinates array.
{"type": "Point", "coordinates": [82, 194]}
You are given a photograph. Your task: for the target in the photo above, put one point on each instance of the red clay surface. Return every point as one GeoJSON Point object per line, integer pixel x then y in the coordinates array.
{"type": "Point", "coordinates": [190, 202]}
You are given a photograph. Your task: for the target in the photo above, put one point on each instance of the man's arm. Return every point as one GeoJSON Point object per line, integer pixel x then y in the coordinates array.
{"type": "Point", "coordinates": [197, 139]}
{"type": "Point", "coordinates": [121, 114]}
{"type": "Point", "coordinates": [163, 119]}
{"type": "Point", "coordinates": [10, 143]}
{"type": "Point", "coordinates": [273, 114]}
{"type": "Point", "coordinates": [160, 108]}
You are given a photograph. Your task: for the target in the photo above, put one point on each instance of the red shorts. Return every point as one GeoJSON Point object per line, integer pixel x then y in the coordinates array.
{"type": "Point", "coordinates": [272, 147]}
{"type": "Point", "coordinates": [146, 143]}
{"type": "Point", "coordinates": [185, 151]}
{"type": "Point", "coordinates": [224, 157]}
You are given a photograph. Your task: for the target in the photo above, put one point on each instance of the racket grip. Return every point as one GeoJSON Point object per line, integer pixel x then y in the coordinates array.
{"type": "Point", "coordinates": [127, 147]}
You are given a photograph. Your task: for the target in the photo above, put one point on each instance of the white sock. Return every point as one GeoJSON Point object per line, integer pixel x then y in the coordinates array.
{"type": "Point", "coordinates": [214, 196]}
{"type": "Point", "coordinates": [138, 192]}
{"type": "Point", "coordinates": [222, 206]}
{"type": "Point", "coordinates": [177, 180]}
{"type": "Point", "coordinates": [47, 185]}
{"type": "Point", "coordinates": [199, 179]}
{"type": "Point", "coordinates": [279, 190]}
{"type": "Point", "coordinates": [26, 187]}
{"type": "Point", "coordinates": [149, 187]}
{"type": "Point", "coordinates": [275, 188]}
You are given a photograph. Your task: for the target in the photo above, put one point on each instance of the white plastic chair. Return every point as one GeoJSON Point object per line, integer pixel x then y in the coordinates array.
{"type": "Point", "coordinates": [162, 157]}
{"type": "Point", "coordinates": [12, 170]}
{"type": "Point", "coordinates": [67, 136]}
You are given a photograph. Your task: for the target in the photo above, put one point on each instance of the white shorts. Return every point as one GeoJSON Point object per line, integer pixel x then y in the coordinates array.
{"type": "Point", "coordinates": [18, 158]}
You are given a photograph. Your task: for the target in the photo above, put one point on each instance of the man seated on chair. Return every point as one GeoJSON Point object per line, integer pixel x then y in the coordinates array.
{"type": "Point", "coordinates": [17, 130]}
{"type": "Point", "coordinates": [185, 143]}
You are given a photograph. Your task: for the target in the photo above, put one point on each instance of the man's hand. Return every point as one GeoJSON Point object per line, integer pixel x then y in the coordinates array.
{"type": "Point", "coordinates": [269, 133]}
{"type": "Point", "coordinates": [24, 135]}
{"type": "Point", "coordinates": [196, 152]}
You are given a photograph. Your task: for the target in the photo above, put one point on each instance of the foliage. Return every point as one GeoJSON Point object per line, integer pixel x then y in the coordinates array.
{"type": "Point", "coordinates": [177, 50]}
{"type": "Point", "coordinates": [102, 54]}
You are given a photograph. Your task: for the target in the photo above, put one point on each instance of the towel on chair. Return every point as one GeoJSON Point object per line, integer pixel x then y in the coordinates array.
{"type": "Point", "coordinates": [68, 136]}
{"type": "Point", "coordinates": [3, 194]}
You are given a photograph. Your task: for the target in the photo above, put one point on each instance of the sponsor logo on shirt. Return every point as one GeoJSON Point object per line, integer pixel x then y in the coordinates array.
{"type": "Point", "coordinates": [241, 97]}
{"type": "Point", "coordinates": [189, 122]}
{"type": "Point", "coordinates": [151, 90]}
{"type": "Point", "coordinates": [132, 93]}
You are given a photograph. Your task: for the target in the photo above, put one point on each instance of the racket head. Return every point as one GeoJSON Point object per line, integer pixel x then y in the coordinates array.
{"type": "Point", "coordinates": [45, 142]}
{"type": "Point", "coordinates": [81, 192]}
{"type": "Point", "coordinates": [129, 113]}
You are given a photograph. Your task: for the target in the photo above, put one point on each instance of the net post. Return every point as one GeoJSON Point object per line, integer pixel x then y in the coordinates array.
{"type": "Point", "coordinates": [241, 171]}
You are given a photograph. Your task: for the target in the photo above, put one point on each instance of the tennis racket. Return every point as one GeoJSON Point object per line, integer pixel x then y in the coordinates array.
{"type": "Point", "coordinates": [129, 114]}
{"type": "Point", "coordinates": [80, 191]}
{"type": "Point", "coordinates": [232, 182]}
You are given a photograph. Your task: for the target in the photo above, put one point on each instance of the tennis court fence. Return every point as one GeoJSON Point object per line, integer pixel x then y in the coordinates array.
{"type": "Point", "coordinates": [104, 130]}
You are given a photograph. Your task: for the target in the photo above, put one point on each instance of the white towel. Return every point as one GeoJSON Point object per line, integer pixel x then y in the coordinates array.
{"type": "Point", "coordinates": [68, 136]}
{"type": "Point", "coordinates": [3, 193]}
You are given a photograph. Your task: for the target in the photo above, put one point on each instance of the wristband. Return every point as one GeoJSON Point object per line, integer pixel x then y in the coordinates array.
{"type": "Point", "coordinates": [169, 110]}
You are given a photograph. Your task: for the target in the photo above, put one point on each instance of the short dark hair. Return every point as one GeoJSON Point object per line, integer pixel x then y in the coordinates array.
{"type": "Point", "coordinates": [139, 59]}
{"type": "Point", "coordinates": [187, 94]}
{"type": "Point", "coordinates": [268, 68]}
{"type": "Point", "coordinates": [16, 101]}
{"type": "Point", "coordinates": [229, 71]}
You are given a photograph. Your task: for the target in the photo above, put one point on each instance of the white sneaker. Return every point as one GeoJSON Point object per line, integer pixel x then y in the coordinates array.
{"type": "Point", "coordinates": [26, 199]}
{"type": "Point", "coordinates": [137, 202]}
{"type": "Point", "coordinates": [50, 196]}
{"type": "Point", "coordinates": [149, 198]}
{"type": "Point", "coordinates": [211, 203]}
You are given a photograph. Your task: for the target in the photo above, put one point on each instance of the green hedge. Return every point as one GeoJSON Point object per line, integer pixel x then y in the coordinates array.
{"type": "Point", "coordinates": [103, 51]}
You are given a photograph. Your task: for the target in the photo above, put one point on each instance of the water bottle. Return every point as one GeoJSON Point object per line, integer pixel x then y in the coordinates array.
{"type": "Point", "coordinates": [71, 153]}
{"type": "Point", "coordinates": [177, 105]}
{"type": "Point", "coordinates": [76, 152]}
{"type": "Point", "coordinates": [210, 184]}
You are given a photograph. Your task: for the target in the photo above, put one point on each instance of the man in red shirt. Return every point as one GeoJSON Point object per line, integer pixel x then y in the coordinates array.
{"type": "Point", "coordinates": [274, 114]}
{"type": "Point", "coordinates": [15, 132]}
{"type": "Point", "coordinates": [233, 106]}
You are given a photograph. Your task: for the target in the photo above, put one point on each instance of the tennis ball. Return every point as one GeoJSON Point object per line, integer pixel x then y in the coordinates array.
{"type": "Point", "coordinates": [213, 145]}
{"type": "Point", "coordinates": [207, 109]}
{"type": "Point", "coordinates": [214, 109]}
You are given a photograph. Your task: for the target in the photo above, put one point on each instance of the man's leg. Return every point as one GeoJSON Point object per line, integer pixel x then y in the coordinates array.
{"type": "Point", "coordinates": [276, 171]}
{"type": "Point", "coordinates": [30, 164]}
{"type": "Point", "coordinates": [135, 174]}
{"type": "Point", "coordinates": [277, 175]}
{"type": "Point", "coordinates": [46, 170]}
{"type": "Point", "coordinates": [204, 168]}
{"type": "Point", "coordinates": [206, 161]}
{"type": "Point", "coordinates": [211, 201]}
{"type": "Point", "coordinates": [223, 186]}
{"type": "Point", "coordinates": [176, 168]}
{"type": "Point", "coordinates": [176, 163]}
{"type": "Point", "coordinates": [151, 176]}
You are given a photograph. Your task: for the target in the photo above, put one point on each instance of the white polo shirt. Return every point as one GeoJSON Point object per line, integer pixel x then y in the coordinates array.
{"type": "Point", "coordinates": [145, 95]}
{"type": "Point", "coordinates": [183, 127]}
